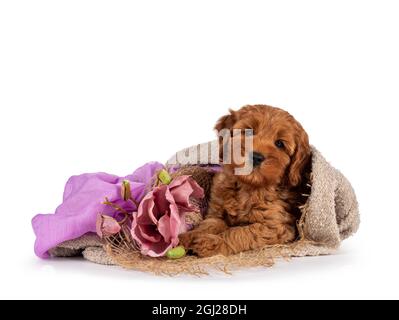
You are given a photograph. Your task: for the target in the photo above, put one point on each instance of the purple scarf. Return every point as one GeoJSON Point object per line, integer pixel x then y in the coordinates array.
{"type": "Point", "coordinates": [82, 202]}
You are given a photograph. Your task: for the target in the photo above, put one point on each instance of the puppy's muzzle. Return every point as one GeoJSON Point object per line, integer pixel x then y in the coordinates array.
{"type": "Point", "coordinates": [257, 158]}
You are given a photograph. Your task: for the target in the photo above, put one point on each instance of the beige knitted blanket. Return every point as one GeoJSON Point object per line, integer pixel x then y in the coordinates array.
{"type": "Point", "coordinates": [329, 216]}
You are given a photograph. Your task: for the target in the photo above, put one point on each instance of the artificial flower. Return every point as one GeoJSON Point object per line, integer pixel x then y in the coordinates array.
{"type": "Point", "coordinates": [107, 226]}
{"type": "Point", "coordinates": [161, 215]}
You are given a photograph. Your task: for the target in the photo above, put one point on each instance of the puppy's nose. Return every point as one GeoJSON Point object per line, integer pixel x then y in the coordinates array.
{"type": "Point", "coordinates": [257, 158]}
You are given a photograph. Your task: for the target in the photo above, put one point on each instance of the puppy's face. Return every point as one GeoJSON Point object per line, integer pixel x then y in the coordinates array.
{"type": "Point", "coordinates": [280, 145]}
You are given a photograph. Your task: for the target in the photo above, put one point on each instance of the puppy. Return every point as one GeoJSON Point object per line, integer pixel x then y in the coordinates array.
{"type": "Point", "coordinates": [261, 208]}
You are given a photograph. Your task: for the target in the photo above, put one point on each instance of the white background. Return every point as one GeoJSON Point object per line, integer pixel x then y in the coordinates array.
{"type": "Point", "coordinates": [91, 86]}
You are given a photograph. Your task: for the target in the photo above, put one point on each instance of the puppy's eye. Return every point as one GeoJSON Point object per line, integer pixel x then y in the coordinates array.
{"type": "Point", "coordinates": [279, 144]}
{"type": "Point", "coordinates": [249, 132]}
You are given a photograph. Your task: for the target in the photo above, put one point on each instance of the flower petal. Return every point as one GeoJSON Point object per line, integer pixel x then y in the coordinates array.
{"type": "Point", "coordinates": [160, 200]}
{"type": "Point", "coordinates": [158, 249]}
{"type": "Point", "coordinates": [106, 226]}
{"type": "Point", "coordinates": [198, 192]}
{"type": "Point", "coordinates": [175, 219]}
{"type": "Point", "coordinates": [137, 236]}
{"type": "Point", "coordinates": [145, 211]}
{"type": "Point", "coordinates": [149, 232]}
{"type": "Point", "coordinates": [164, 227]}
{"type": "Point", "coordinates": [184, 187]}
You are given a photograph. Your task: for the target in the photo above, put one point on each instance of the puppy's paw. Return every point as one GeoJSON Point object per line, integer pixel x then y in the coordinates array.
{"type": "Point", "coordinates": [186, 239]}
{"type": "Point", "coordinates": [207, 245]}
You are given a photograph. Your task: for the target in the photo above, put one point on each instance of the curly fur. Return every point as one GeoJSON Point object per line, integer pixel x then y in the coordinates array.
{"type": "Point", "coordinates": [251, 211]}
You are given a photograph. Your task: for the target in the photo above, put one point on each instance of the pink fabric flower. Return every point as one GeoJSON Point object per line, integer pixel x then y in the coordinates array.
{"type": "Point", "coordinates": [160, 216]}
{"type": "Point", "coordinates": [106, 226]}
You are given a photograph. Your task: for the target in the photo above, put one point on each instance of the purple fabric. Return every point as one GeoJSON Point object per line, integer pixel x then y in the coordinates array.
{"type": "Point", "coordinates": [82, 202]}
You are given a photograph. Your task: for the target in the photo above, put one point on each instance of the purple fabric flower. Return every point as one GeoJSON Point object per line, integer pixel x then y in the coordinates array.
{"type": "Point", "coordinates": [82, 202]}
{"type": "Point", "coordinates": [161, 215]}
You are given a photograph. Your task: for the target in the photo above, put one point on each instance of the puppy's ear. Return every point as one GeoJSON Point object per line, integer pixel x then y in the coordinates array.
{"type": "Point", "coordinates": [225, 123]}
{"type": "Point", "coordinates": [300, 159]}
